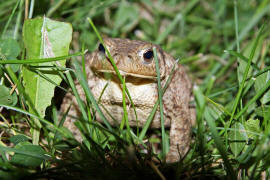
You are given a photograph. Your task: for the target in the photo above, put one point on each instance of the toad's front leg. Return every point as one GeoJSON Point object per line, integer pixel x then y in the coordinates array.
{"type": "Point", "coordinates": [179, 136]}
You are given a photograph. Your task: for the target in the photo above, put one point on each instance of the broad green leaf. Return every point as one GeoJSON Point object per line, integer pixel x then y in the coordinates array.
{"type": "Point", "coordinates": [26, 160]}
{"type": "Point", "coordinates": [18, 138]}
{"type": "Point", "coordinates": [237, 137]}
{"type": "Point", "coordinates": [252, 126]}
{"type": "Point", "coordinates": [10, 49]}
{"type": "Point", "coordinates": [213, 111]}
{"type": "Point", "coordinates": [7, 98]}
{"type": "Point", "coordinates": [43, 38]}
{"type": "Point", "coordinates": [259, 83]}
{"type": "Point", "coordinates": [263, 111]}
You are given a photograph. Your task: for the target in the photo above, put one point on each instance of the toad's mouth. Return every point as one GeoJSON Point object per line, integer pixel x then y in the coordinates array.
{"type": "Point", "coordinates": [127, 74]}
{"type": "Point", "coordinates": [136, 79]}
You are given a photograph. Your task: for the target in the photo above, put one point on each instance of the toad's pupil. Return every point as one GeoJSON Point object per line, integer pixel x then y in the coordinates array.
{"type": "Point", "coordinates": [148, 54]}
{"type": "Point", "coordinates": [101, 48]}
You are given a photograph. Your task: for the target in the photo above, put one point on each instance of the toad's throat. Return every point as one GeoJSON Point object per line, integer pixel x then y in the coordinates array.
{"type": "Point", "coordinates": [128, 104]}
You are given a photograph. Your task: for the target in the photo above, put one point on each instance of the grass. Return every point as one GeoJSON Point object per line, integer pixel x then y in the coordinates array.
{"type": "Point", "coordinates": [224, 46]}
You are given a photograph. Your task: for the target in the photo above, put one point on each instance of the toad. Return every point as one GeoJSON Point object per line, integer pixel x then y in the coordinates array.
{"type": "Point", "coordinates": [135, 61]}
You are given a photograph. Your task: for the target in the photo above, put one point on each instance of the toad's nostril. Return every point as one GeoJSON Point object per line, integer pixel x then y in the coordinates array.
{"type": "Point", "coordinates": [116, 58]}
{"type": "Point", "coordinates": [129, 57]}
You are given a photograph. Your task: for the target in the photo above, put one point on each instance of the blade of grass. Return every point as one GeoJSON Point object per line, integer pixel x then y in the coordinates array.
{"type": "Point", "coordinates": [18, 21]}
{"type": "Point", "coordinates": [234, 86]}
{"type": "Point", "coordinates": [200, 99]}
{"type": "Point", "coordinates": [169, 29]}
{"type": "Point", "coordinates": [89, 94]}
{"type": "Point", "coordinates": [220, 147]}
{"type": "Point", "coordinates": [77, 96]}
{"type": "Point", "coordinates": [191, 59]}
{"type": "Point", "coordinates": [42, 60]}
{"type": "Point", "coordinates": [151, 115]}
{"type": "Point", "coordinates": [239, 93]}
{"type": "Point", "coordinates": [10, 18]}
{"type": "Point", "coordinates": [238, 55]}
{"type": "Point", "coordinates": [83, 61]}
{"type": "Point", "coordinates": [216, 70]}
{"type": "Point", "coordinates": [236, 25]}
{"type": "Point", "coordinates": [31, 9]}
{"type": "Point", "coordinates": [254, 99]}
{"type": "Point", "coordinates": [48, 79]}
{"type": "Point", "coordinates": [59, 124]}
{"type": "Point", "coordinates": [34, 117]}
{"type": "Point", "coordinates": [55, 6]}
{"type": "Point", "coordinates": [160, 94]}
{"type": "Point", "coordinates": [260, 72]}
{"type": "Point", "coordinates": [125, 116]}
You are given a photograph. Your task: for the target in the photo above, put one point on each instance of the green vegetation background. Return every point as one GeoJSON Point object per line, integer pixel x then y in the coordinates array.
{"type": "Point", "coordinates": [223, 43]}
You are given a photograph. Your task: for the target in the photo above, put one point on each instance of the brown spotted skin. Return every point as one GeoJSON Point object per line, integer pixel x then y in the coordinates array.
{"type": "Point", "coordinates": [141, 81]}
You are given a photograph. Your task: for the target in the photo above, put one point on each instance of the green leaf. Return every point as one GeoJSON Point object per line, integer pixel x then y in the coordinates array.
{"type": "Point", "coordinates": [43, 38]}
{"type": "Point", "coordinates": [18, 138]}
{"type": "Point", "coordinates": [259, 83]}
{"type": "Point", "coordinates": [7, 98]}
{"type": "Point", "coordinates": [9, 49]}
{"type": "Point", "coordinates": [263, 111]}
{"type": "Point", "coordinates": [252, 126]}
{"type": "Point", "coordinates": [26, 160]}
{"type": "Point", "coordinates": [236, 136]}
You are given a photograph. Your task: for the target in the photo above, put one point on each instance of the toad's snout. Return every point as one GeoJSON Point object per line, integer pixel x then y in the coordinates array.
{"type": "Point", "coordinates": [122, 58]}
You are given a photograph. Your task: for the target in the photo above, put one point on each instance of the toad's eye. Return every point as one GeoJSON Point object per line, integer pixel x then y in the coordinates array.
{"type": "Point", "coordinates": [101, 48]}
{"type": "Point", "coordinates": [148, 56]}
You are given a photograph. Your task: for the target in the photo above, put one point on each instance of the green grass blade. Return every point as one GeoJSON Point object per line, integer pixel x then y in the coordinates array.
{"type": "Point", "coordinates": [221, 148]}
{"type": "Point", "coordinates": [10, 18]}
{"type": "Point", "coordinates": [239, 93]}
{"type": "Point", "coordinates": [41, 60]}
{"type": "Point", "coordinates": [18, 20]}
{"type": "Point", "coordinates": [152, 114]}
{"type": "Point", "coordinates": [160, 94]}
{"type": "Point", "coordinates": [89, 94]}
{"type": "Point", "coordinates": [125, 115]}
{"type": "Point", "coordinates": [170, 28]}
{"type": "Point", "coordinates": [216, 70]}
{"type": "Point", "coordinates": [254, 99]}
{"type": "Point", "coordinates": [34, 116]}
{"type": "Point", "coordinates": [240, 56]}
{"type": "Point", "coordinates": [77, 96]}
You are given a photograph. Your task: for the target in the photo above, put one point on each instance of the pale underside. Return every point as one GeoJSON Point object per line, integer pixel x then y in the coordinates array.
{"type": "Point", "coordinates": [144, 95]}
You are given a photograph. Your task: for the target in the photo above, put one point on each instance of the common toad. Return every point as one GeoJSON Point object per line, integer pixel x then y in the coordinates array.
{"type": "Point", "coordinates": [135, 61]}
